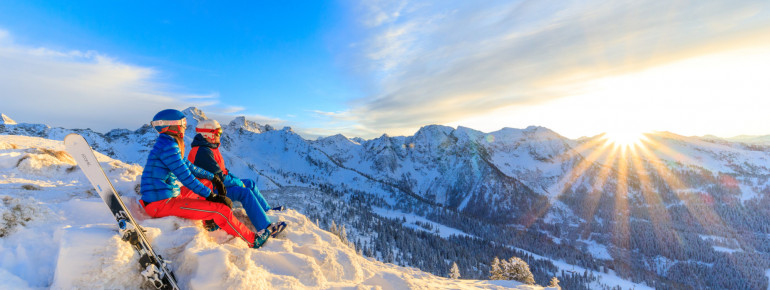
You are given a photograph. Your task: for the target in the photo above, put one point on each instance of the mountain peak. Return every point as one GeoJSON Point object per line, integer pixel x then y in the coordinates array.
{"type": "Point", "coordinates": [542, 132]}
{"type": "Point", "coordinates": [240, 122]}
{"type": "Point", "coordinates": [337, 139]}
{"type": "Point", "coordinates": [434, 129]}
{"type": "Point", "coordinates": [194, 113]}
{"type": "Point", "coordinates": [6, 120]}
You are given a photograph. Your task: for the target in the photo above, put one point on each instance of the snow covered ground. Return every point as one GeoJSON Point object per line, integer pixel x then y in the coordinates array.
{"type": "Point", "coordinates": [597, 250]}
{"type": "Point", "coordinates": [55, 232]}
{"type": "Point", "coordinates": [412, 221]}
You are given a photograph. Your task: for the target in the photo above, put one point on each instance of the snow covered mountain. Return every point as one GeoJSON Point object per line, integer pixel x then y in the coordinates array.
{"type": "Point", "coordinates": [674, 212]}
{"type": "Point", "coordinates": [56, 232]}
{"type": "Point", "coordinates": [6, 120]}
{"type": "Point", "coordinates": [758, 140]}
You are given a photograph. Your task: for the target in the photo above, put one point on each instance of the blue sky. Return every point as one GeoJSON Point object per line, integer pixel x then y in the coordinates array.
{"type": "Point", "coordinates": [366, 68]}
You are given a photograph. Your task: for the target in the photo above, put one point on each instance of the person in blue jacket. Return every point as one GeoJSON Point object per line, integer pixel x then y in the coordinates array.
{"type": "Point", "coordinates": [204, 153]}
{"type": "Point", "coordinates": [166, 165]}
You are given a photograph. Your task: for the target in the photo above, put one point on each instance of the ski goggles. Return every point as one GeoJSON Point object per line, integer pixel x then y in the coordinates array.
{"type": "Point", "coordinates": [164, 123]}
{"type": "Point", "coordinates": [217, 131]}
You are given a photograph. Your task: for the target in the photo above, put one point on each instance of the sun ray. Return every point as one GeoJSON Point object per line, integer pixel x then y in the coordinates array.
{"type": "Point", "coordinates": [594, 196]}
{"type": "Point", "coordinates": [659, 216]}
{"type": "Point", "coordinates": [704, 215]}
{"type": "Point", "coordinates": [664, 150]}
{"type": "Point", "coordinates": [640, 165]}
{"type": "Point", "coordinates": [623, 138]}
{"type": "Point", "coordinates": [621, 233]}
{"type": "Point", "coordinates": [577, 171]}
{"type": "Point", "coordinates": [570, 177]}
{"type": "Point", "coordinates": [584, 163]}
{"type": "Point", "coordinates": [632, 163]}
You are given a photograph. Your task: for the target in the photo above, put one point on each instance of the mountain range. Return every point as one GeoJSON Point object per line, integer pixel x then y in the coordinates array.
{"type": "Point", "coordinates": [669, 212]}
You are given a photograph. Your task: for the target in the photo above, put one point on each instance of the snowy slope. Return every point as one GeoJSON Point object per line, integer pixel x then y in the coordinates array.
{"type": "Point", "coordinates": [758, 140]}
{"type": "Point", "coordinates": [57, 233]}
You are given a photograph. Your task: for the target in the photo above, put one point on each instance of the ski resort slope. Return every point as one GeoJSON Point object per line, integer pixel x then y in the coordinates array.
{"type": "Point", "coordinates": [55, 232]}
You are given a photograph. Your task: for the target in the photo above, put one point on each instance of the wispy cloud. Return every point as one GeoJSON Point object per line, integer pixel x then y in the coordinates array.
{"type": "Point", "coordinates": [82, 89]}
{"type": "Point", "coordinates": [233, 109]}
{"type": "Point", "coordinates": [448, 60]}
{"type": "Point", "coordinates": [4, 36]}
{"type": "Point", "coordinates": [339, 115]}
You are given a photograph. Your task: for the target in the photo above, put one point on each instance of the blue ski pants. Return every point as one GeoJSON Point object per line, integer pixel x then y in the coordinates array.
{"type": "Point", "coordinates": [253, 202]}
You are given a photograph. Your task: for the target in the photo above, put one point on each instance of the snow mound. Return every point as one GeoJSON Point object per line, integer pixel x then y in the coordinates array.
{"type": "Point", "coordinates": [94, 257]}
{"type": "Point", "coordinates": [38, 162]}
{"type": "Point", "coordinates": [18, 212]}
{"type": "Point", "coordinates": [304, 256]}
{"type": "Point", "coordinates": [44, 162]}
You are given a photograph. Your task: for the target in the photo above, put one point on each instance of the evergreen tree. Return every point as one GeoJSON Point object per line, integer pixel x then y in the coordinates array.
{"type": "Point", "coordinates": [333, 228]}
{"type": "Point", "coordinates": [341, 232]}
{"type": "Point", "coordinates": [454, 273]}
{"type": "Point", "coordinates": [517, 269]}
{"type": "Point", "coordinates": [554, 283]}
{"type": "Point", "coordinates": [495, 271]}
{"type": "Point", "coordinates": [511, 269]}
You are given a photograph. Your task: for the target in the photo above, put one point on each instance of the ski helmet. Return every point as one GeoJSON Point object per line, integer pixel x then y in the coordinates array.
{"type": "Point", "coordinates": [209, 128]}
{"type": "Point", "coordinates": [169, 120]}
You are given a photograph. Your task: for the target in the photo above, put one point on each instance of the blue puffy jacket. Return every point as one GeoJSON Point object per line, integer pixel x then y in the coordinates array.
{"type": "Point", "coordinates": [164, 167]}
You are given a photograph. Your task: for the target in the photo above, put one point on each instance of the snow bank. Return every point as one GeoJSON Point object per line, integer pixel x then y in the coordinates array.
{"type": "Point", "coordinates": [94, 257]}
{"type": "Point", "coordinates": [304, 256]}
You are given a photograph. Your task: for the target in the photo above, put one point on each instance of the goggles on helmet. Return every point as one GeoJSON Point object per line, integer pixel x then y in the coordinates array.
{"type": "Point", "coordinates": [217, 131]}
{"type": "Point", "coordinates": [164, 123]}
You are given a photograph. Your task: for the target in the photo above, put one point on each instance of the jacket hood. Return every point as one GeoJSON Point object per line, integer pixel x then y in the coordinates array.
{"type": "Point", "coordinates": [200, 141]}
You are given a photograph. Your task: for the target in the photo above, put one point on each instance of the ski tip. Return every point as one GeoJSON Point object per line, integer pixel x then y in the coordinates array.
{"type": "Point", "coordinates": [73, 139]}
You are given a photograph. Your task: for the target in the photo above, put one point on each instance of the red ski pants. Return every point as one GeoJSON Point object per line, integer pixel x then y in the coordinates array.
{"type": "Point", "coordinates": [201, 209]}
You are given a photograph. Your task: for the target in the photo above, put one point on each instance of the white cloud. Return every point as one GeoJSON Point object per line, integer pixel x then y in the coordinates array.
{"type": "Point", "coordinates": [4, 36]}
{"type": "Point", "coordinates": [451, 60]}
{"type": "Point", "coordinates": [378, 12]}
{"type": "Point", "coordinates": [339, 115]}
{"type": "Point", "coordinates": [233, 109]}
{"type": "Point", "coordinates": [82, 89]}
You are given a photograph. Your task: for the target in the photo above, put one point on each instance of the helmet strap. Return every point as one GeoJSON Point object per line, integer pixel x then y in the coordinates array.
{"type": "Point", "coordinates": [173, 132]}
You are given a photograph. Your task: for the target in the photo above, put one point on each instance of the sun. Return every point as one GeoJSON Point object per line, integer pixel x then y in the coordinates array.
{"type": "Point", "coordinates": [624, 138]}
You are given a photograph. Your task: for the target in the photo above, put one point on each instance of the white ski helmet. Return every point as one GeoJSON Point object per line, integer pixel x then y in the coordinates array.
{"type": "Point", "coordinates": [209, 128]}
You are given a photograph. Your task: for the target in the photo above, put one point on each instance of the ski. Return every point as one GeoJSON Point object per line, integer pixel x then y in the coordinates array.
{"type": "Point", "coordinates": [154, 268]}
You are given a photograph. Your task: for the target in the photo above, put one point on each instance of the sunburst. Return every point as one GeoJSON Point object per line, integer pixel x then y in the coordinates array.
{"type": "Point", "coordinates": [631, 160]}
{"type": "Point", "coordinates": [624, 138]}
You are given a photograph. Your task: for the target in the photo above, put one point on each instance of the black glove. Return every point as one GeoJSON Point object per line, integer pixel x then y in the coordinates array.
{"type": "Point", "coordinates": [219, 185]}
{"type": "Point", "coordinates": [213, 197]}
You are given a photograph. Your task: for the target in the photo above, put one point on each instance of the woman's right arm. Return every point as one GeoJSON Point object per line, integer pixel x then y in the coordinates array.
{"type": "Point", "coordinates": [172, 158]}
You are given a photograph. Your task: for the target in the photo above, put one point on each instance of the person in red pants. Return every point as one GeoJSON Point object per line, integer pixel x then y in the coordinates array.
{"type": "Point", "coordinates": [204, 153]}
{"type": "Point", "coordinates": [166, 165]}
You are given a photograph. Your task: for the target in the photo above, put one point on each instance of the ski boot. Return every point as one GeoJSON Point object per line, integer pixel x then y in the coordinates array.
{"type": "Point", "coordinates": [210, 226]}
{"type": "Point", "coordinates": [260, 238]}
{"type": "Point", "coordinates": [276, 228]}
